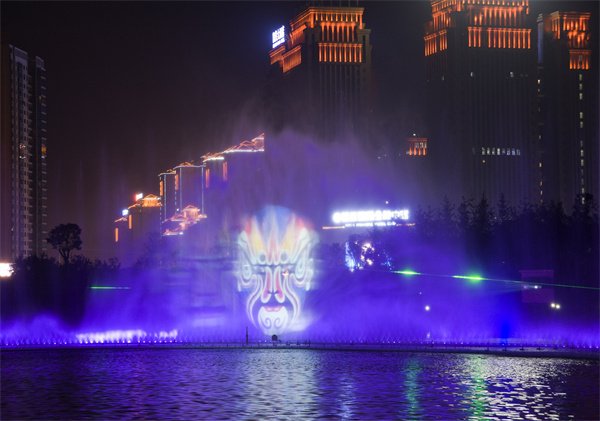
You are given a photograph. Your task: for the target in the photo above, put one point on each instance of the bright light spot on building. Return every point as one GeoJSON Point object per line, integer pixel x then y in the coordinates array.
{"type": "Point", "coordinates": [427, 308]}
{"type": "Point", "coordinates": [139, 196]}
{"type": "Point", "coordinates": [279, 36]}
{"type": "Point", "coordinates": [555, 306]}
{"type": "Point", "coordinates": [6, 270]}
{"type": "Point", "coordinates": [125, 212]}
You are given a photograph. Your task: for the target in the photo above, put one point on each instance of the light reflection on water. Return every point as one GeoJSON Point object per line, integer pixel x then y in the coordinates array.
{"type": "Point", "coordinates": [293, 384]}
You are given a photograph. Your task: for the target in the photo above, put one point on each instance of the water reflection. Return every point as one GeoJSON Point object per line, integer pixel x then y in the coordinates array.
{"type": "Point", "coordinates": [293, 384]}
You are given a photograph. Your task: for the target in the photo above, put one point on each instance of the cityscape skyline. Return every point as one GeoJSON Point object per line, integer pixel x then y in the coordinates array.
{"type": "Point", "coordinates": [127, 122]}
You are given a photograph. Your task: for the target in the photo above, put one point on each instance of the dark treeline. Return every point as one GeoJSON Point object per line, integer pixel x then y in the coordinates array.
{"type": "Point", "coordinates": [43, 286]}
{"type": "Point", "coordinates": [491, 240]}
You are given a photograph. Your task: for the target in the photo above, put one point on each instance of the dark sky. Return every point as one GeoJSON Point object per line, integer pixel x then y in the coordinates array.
{"type": "Point", "coordinates": [135, 88]}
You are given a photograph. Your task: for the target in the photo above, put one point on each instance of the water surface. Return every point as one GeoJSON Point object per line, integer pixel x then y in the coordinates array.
{"type": "Point", "coordinates": [292, 384]}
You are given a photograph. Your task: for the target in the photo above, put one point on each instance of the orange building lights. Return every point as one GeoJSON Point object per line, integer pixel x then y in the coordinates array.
{"type": "Point", "coordinates": [336, 33]}
{"type": "Point", "coordinates": [490, 24]}
{"type": "Point", "coordinates": [574, 26]}
{"type": "Point", "coordinates": [417, 146]}
{"type": "Point", "coordinates": [579, 59]}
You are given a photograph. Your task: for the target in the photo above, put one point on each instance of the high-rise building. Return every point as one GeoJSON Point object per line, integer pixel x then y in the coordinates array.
{"type": "Point", "coordinates": [23, 186]}
{"type": "Point", "coordinates": [134, 228]}
{"type": "Point", "coordinates": [567, 88]}
{"type": "Point", "coordinates": [480, 80]}
{"type": "Point", "coordinates": [321, 79]}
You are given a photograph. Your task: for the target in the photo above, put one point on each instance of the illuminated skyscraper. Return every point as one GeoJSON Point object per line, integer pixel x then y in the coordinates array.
{"type": "Point", "coordinates": [480, 77]}
{"type": "Point", "coordinates": [322, 73]}
{"type": "Point", "coordinates": [567, 88]}
{"type": "Point", "coordinates": [23, 186]}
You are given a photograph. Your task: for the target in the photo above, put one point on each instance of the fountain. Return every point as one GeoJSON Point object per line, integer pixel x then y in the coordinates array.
{"type": "Point", "coordinates": [280, 276]}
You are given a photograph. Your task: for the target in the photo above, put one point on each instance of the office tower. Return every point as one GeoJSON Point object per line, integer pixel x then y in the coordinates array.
{"type": "Point", "coordinates": [23, 208]}
{"type": "Point", "coordinates": [480, 93]}
{"type": "Point", "coordinates": [567, 89]}
{"type": "Point", "coordinates": [321, 74]}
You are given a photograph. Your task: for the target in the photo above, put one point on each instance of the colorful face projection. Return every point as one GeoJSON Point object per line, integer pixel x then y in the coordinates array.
{"type": "Point", "coordinates": [275, 269]}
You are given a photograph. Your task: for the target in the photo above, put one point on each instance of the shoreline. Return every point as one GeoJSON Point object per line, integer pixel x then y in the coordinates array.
{"type": "Point", "coordinates": [509, 350]}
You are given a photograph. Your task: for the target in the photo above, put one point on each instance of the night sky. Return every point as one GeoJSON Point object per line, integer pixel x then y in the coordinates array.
{"type": "Point", "coordinates": [136, 88]}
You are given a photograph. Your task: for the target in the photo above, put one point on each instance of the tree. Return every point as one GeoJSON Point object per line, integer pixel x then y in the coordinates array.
{"type": "Point", "coordinates": [65, 238]}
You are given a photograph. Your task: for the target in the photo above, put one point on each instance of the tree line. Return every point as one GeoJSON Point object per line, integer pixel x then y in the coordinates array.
{"type": "Point", "coordinates": [499, 240]}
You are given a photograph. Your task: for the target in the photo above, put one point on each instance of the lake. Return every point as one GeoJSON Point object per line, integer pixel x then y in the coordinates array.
{"type": "Point", "coordinates": [169, 383]}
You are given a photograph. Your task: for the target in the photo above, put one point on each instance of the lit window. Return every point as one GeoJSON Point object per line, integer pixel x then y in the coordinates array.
{"type": "Point", "coordinates": [581, 124]}
{"type": "Point", "coordinates": [488, 151]}
{"type": "Point", "coordinates": [540, 165]}
{"type": "Point", "coordinates": [472, 74]}
{"type": "Point", "coordinates": [580, 96]}
{"type": "Point", "coordinates": [580, 77]}
{"type": "Point", "coordinates": [582, 162]}
{"type": "Point", "coordinates": [482, 151]}
{"type": "Point", "coordinates": [512, 74]}
{"type": "Point", "coordinates": [539, 82]}
{"type": "Point", "coordinates": [581, 153]}
{"type": "Point", "coordinates": [498, 153]}
{"type": "Point", "coordinates": [581, 115]}
{"type": "Point", "coordinates": [581, 86]}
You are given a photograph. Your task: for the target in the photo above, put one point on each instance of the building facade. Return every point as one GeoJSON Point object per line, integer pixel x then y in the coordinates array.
{"type": "Point", "coordinates": [321, 74]}
{"type": "Point", "coordinates": [136, 226]}
{"type": "Point", "coordinates": [23, 152]}
{"type": "Point", "coordinates": [567, 89]}
{"type": "Point", "coordinates": [480, 80]}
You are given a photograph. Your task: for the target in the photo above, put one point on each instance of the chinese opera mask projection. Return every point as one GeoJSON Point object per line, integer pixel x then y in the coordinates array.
{"type": "Point", "coordinates": [275, 268]}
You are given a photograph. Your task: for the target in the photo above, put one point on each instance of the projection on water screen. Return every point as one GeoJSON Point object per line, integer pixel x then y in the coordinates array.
{"type": "Point", "coordinates": [275, 269]}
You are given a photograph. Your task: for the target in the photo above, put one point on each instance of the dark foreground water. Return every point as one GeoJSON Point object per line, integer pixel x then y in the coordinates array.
{"type": "Point", "coordinates": [292, 384]}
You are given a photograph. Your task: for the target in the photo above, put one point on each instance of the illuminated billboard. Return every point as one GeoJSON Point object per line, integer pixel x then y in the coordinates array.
{"type": "Point", "coordinates": [369, 218]}
{"type": "Point", "coordinates": [279, 36]}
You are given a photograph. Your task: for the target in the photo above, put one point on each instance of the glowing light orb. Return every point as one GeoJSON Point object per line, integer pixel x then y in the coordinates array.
{"type": "Point", "coordinates": [427, 308]}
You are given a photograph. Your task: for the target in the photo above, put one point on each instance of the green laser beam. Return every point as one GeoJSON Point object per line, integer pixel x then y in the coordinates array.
{"type": "Point", "coordinates": [107, 287]}
{"type": "Point", "coordinates": [477, 278]}
{"type": "Point", "coordinates": [407, 272]}
{"type": "Point", "coordinates": [474, 278]}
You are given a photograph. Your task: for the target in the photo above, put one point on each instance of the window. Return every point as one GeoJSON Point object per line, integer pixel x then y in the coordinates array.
{"type": "Point", "coordinates": [580, 96]}
{"type": "Point", "coordinates": [580, 77]}
{"type": "Point", "coordinates": [581, 115]}
{"type": "Point", "coordinates": [581, 124]}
